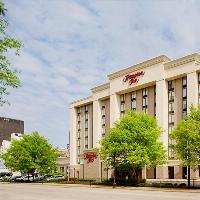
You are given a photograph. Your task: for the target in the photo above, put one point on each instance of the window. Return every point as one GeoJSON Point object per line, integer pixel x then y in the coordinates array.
{"type": "Point", "coordinates": [122, 107]}
{"type": "Point", "coordinates": [79, 125]}
{"type": "Point", "coordinates": [184, 99]}
{"type": "Point", "coordinates": [78, 151]}
{"type": "Point", "coordinates": [133, 100]}
{"type": "Point", "coordinates": [184, 105]}
{"type": "Point", "coordinates": [86, 108]}
{"type": "Point", "coordinates": [103, 120]}
{"type": "Point", "coordinates": [171, 107]}
{"type": "Point", "coordinates": [199, 89]}
{"type": "Point", "coordinates": [86, 124]}
{"type": "Point", "coordinates": [145, 100]}
{"type": "Point", "coordinates": [103, 131]}
{"type": "Point", "coordinates": [171, 95]}
{"type": "Point", "coordinates": [86, 142]}
{"type": "Point", "coordinates": [122, 98]}
{"type": "Point", "coordinates": [86, 133]}
{"type": "Point", "coordinates": [78, 143]}
{"type": "Point", "coordinates": [145, 92]}
{"type": "Point", "coordinates": [171, 153]}
{"type": "Point", "coordinates": [184, 81]}
{"type": "Point", "coordinates": [184, 92]}
{"type": "Point", "coordinates": [170, 116]}
{"type": "Point", "coordinates": [199, 86]}
{"type": "Point", "coordinates": [133, 104]}
{"type": "Point", "coordinates": [133, 95]}
{"type": "Point", "coordinates": [78, 134]}
{"type": "Point", "coordinates": [170, 85]}
{"type": "Point", "coordinates": [170, 128]}
{"type": "Point", "coordinates": [61, 169]}
{"type": "Point", "coordinates": [171, 172]}
{"type": "Point", "coordinates": [86, 115]}
{"type": "Point", "coordinates": [154, 100]}
{"type": "Point", "coordinates": [145, 110]}
{"type": "Point", "coordinates": [78, 117]}
{"type": "Point", "coordinates": [78, 110]}
{"type": "Point", "coordinates": [103, 110]}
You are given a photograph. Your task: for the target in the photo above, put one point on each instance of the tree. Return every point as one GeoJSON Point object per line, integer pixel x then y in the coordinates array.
{"type": "Point", "coordinates": [31, 153]}
{"type": "Point", "coordinates": [8, 76]}
{"type": "Point", "coordinates": [186, 136]}
{"type": "Point", "coordinates": [133, 143]}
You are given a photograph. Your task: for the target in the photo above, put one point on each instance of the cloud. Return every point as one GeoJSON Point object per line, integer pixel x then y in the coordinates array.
{"type": "Point", "coordinates": [70, 47]}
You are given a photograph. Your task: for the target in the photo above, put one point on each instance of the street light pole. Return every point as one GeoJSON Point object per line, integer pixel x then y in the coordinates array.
{"type": "Point", "coordinates": [188, 167]}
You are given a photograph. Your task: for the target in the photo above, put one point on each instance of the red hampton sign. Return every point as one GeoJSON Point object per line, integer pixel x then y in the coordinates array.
{"type": "Point", "coordinates": [90, 156]}
{"type": "Point", "coordinates": [133, 78]}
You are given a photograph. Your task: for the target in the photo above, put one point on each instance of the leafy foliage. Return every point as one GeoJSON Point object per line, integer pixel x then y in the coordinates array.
{"type": "Point", "coordinates": [186, 136]}
{"type": "Point", "coordinates": [133, 143]}
{"type": "Point", "coordinates": [8, 76]}
{"type": "Point", "coordinates": [31, 153]}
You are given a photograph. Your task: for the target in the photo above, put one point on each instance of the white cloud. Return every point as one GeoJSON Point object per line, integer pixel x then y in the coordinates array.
{"type": "Point", "coordinates": [70, 46]}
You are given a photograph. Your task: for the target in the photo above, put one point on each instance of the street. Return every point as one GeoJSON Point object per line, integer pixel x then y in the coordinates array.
{"type": "Point", "coordinates": [70, 192]}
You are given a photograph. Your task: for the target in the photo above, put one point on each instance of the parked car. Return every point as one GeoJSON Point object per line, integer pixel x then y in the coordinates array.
{"type": "Point", "coordinates": [15, 178]}
{"type": "Point", "coordinates": [27, 178]}
{"type": "Point", "coordinates": [59, 177]}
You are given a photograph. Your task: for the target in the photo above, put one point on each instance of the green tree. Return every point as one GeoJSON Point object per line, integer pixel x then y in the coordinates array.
{"type": "Point", "coordinates": [186, 136]}
{"type": "Point", "coordinates": [133, 143]}
{"type": "Point", "coordinates": [8, 76]}
{"type": "Point", "coordinates": [31, 153]}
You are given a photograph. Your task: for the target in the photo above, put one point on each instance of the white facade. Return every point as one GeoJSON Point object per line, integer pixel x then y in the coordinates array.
{"type": "Point", "coordinates": [62, 161]}
{"type": "Point", "coordinates": [157, 72]}
{"type": "Point", "coordinates": [4, 147]}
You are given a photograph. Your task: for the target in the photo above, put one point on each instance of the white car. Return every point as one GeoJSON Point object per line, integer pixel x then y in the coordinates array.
{"type": "Point", "coordinates": [27, 178]}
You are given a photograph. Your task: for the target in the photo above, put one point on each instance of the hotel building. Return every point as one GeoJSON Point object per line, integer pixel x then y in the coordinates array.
{"type": "Point", "coordinates": [161, 87]}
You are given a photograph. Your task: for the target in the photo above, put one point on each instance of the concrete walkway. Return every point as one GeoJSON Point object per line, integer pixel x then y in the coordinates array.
{"type": "Point", "coordinates": [110, 187]}
{"type": "Point", "coordinates": [32, 191]}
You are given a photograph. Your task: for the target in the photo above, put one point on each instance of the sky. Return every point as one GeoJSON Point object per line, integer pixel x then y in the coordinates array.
{"type": "Point", "coordinates": [71, 46]}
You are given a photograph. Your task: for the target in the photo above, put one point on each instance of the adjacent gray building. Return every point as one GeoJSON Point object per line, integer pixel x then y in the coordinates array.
{"type": "Point", "coordinates": [8, 126]}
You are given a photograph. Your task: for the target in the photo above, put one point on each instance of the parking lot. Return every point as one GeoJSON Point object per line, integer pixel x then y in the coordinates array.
{"type": "Point", "coordinates": [31, 191]}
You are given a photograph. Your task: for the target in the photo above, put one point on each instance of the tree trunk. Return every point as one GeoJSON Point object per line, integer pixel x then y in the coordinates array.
{"type": "Point", "coordinates": [188, 173]}
{"type": "Point", "coordinates": [114, 179]}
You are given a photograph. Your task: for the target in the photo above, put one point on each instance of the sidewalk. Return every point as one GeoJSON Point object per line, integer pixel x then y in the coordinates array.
{"type": "Point", "coordinates": [117, 187]}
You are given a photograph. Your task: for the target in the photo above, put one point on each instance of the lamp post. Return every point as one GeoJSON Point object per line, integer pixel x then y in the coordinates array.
{"type": "Point", "coordinates": [49, 168]}
{"type": "Point", "coordinates": [188, 167]}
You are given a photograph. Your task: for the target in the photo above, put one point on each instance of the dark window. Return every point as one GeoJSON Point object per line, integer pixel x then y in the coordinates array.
{"type": "Point", "coordinates": [184, 173]}
{"type": "Point", "coordinates": [61, 169]}
{"type": "Point", "coordinates": [171, 172]}
{"type": "Point", "coordinates": [154, 172]}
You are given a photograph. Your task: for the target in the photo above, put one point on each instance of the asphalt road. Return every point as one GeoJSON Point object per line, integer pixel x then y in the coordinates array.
{"type": "Point", "coordinates": [67, 192]}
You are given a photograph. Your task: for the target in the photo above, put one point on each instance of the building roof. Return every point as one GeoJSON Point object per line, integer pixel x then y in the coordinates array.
{"type": "Point", "coordinates": [138, 66]}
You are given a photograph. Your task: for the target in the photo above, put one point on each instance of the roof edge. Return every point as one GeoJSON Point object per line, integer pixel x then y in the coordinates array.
{"type": "Point", "coordinates": [80, 100]}
{"type": "Point", "coordinates": [100, 87]}
{"type": "Point", "coordinates": [182, 60]}
{"type": "Point", "coordinates": [147, 63]}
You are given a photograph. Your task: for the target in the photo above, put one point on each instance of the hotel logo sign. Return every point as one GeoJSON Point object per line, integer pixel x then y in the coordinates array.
{"type": "Point", "coordinates": [133, 78]}
{"type": "Point", "coordinates": [90, 157]}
